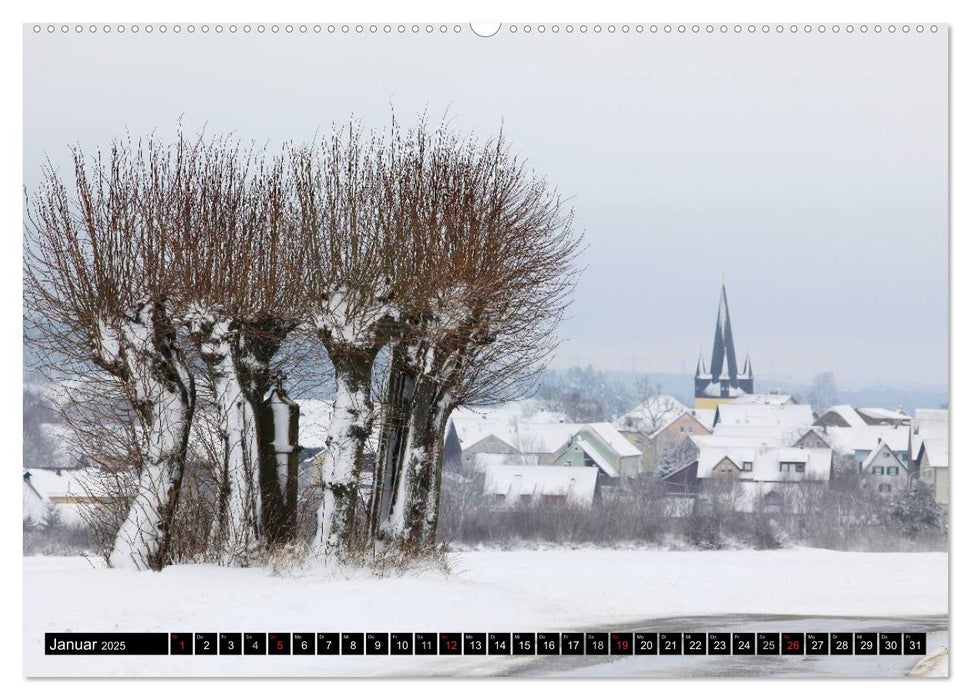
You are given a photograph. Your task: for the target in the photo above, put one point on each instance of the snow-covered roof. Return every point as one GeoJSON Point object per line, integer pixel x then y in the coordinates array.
{"type": "Point", "coordinates": [543, 438]}
{"type": "Point", "coordinates": [880, 449]}
{"type": "Point", "coordinates": [848, 414]}
{"type": "Point", "coordinates": [884, 414]}
{"type": "Point", "coordinates": [521, 424]}
{"type": "Point", "coordinates": [765, 462]}
{"type": "Point", "coordinates": [937, 452]}
{"type": "Point", "coordinates": [617, 442]}
{"type": "Point", "coordinates": [578, 484]}
{"type": "Point", "coordinates": [778, 435]}
{"type": "Point", "coordinates": [705, 416]}
{"type": "Point", "coordinates": [764, 414]}
{"type": "Point", "coordinates": [597, 456]}
{"type": "Point", "coordinates": [60, 483]}
{"type": "Point", "coordinates": [866, 437]}
{"type": "Point", "coordinates": [752, 441]}
{"type": "Point", "coordinates": [766, 399]}
{"type": "Point", "coordinates": [652, 415]}
{"type": "Point", "coordinates": [928, 424]}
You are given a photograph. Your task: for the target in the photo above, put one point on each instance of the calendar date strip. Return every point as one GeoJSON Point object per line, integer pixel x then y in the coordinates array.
{"type": "Point", "coordinates": [485, 643]}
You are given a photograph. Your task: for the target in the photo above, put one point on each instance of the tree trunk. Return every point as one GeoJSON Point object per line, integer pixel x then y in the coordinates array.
{"type": "Point", "coordinates": [164, 394]}
{"type": "Point", "coordinates": [259, 343]}
{"type": "Point", "coordinates": [349, 430]}
{"type": "Point", "coordinates": [433, 501]}
{"type": "Point", "coordinates": [396, 413]}
{"type": "Point", "coordinates": [417, 485]}
{"type": "Point", "coordinates": [235, 534]}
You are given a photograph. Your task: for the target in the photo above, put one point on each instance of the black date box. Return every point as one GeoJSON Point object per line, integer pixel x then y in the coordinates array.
{"type": "Point", "coordinates": [254, 643]}
{"type": "Point", "coordinates": [645, 642]}
{"type": "Point", "coordinates": [426, 643]}
{"type": "Point", "coordinates": [695, 643]}
{"type": "Point", "coordinates": [890, 643]}
{"type": "Point", "coordinates": [841, 643]}
{"type": "Point", "coordinates": [523, 642]}
{"type": "Point", "coordinates": [230, 643]}
{"type": "Point", "coordinates": [352, 643]}
{"type": "Point", "coordinates": [304, 643]}
{"type": "Point", "coordinates": [915, 643]}
{"type": "Point", "coordinates": [376, 643]}
{"type": "Point", "coordinates": [865, 643]}
{"type": "Point", "coordinates": [206, 643]}
{"type": "Point", "coordinates": [548, 643]}
{"type": "Point", "coordinates": [180, 643]}
{"type": "Point", "coordinates": [500, 643]}
{"type": "Point", "coordinates": [474, 643]}
{"type": "Point", "coordinates": [450, 644]}
{"type": "Point", "coordinates": [719, 643]}
{"type": "Point", "coordinates": [572, 644]}
{"type": "Point", "coordinates": [793, 643]}
{"type": "Point", "coordinates": [767, 643]}
{"type": "Point", "coordinates": [743, 643]}
{"type": "Point", "coordinates": [279, 643]}
{"type": "Point", "coordinates": [817, 643]}
{"type": "Point", "coordinates": [669, 643]}
{"type": "Point", "coordinates": [402, 644]}
{"type": "Point", "coordinates": [328, 643]}
{"type": "Point", "coordinates": [621, 643]}
{"type": "Point", "coordinates": [597, 643]}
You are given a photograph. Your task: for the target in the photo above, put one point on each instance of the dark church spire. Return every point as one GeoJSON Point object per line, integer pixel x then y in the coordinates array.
{"type": "Point", "coordinates": [721, 379]}
{"type": "Point", "coordinates": [701, 371]}
{"type": "Point", "coordinates": [723, 365]}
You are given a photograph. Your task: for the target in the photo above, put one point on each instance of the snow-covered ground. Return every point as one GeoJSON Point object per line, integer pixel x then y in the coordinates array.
{"type": "Point", "coordinates": [487, 591]}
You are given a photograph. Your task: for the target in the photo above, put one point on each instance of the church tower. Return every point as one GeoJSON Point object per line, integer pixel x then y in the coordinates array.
{"type": "Point", "coordinates": [721, 381]}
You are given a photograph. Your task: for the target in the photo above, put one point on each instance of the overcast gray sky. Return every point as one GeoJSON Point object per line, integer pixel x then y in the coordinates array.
{"type": "Point", "coordinates": [810, 170]}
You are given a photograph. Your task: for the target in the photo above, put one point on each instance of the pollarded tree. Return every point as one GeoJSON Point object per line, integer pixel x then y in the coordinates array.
{"type": "Point", "coordinates": [238, 269]}
{"type": "Point", "coordinates": [97, 282]}
{"type": "Point", "coordinates": [484, 275]}
{"type": "Point", "coordinates": [348, 289]}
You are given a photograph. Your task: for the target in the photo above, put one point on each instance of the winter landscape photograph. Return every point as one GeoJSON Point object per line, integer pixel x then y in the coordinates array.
{"type": "Point", "coordinates": [563, 350]}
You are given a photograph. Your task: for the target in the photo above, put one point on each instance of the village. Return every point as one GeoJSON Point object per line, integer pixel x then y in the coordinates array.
{"type": "Point", "coordinates": [734, 450]}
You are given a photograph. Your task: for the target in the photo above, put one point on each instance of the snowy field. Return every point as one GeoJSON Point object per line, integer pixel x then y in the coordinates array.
{"type": "Point", "coordinates": [553, 590]}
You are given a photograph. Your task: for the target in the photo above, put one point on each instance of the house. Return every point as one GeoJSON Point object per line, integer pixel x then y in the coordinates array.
{"type": "Point", "coordinates": [845, 416]}
{"type": "Point", "coordinates": [514, 484]}
{"type": "Point", "coordinates": [788, 415]}
{"type": "Point", "coordinates": [884, 471]}
{"type": "Point", "coordinates": [601, 445]}
{"type": "Point", "coordinates": [771, 399]}
{"type": "Point", "coordinates": [859, 441]}
{"type": "Point", "coordinates": [812, 438]}
{"type": "Point", "coordinates": [884, 416]}
{"type": "Point", "coordinates": [651, 415]}
{"type": "Point", "coordinates": [658, 427]}
{"type": "Point", "coordinates": [932, 466]}
{"type": "Point", "coordinates": [929, 439]}
{"type": "Point", "coordinates": [68, 491]}
{"type": "Point", "coordinates": [929, 423]}
{"type": "Point", "coordinates": [773, 479]}
{"type": "Point", "coordinates": [515, 428]}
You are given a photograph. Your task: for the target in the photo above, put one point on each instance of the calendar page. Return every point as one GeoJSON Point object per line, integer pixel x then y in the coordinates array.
{"type": "Point", "coordinates": [543, 349]}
